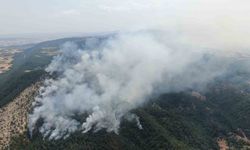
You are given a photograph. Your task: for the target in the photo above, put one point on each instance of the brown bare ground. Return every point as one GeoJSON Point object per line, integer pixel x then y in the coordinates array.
{"type": "Point", "coordinates": [222, 143]}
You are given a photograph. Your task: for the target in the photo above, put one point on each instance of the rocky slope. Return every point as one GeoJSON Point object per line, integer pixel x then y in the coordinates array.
{"type": "Point", "coordinates": [13, 117]}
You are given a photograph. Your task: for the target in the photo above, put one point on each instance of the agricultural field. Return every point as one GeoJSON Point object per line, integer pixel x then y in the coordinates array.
{"type": "Point", "coordinates": [6, 58]}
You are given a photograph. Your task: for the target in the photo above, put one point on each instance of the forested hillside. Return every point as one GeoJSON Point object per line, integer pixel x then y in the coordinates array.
{"type": "Point", "coordinates": [207, 119]}
{"type": "Point", "coordinates": [186, 120]}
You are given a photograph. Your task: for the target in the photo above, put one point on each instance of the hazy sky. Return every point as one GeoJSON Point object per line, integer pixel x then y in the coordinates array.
{"type": "Point", "coordinates": [53, 16]}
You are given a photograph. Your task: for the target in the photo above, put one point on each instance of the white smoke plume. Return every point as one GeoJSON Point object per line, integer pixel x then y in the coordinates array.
{"type": "Point", "coordinates": [106, 83]}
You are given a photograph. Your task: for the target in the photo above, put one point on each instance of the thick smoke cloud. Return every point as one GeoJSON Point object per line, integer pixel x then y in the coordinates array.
{"type": "Point", "coordinates": [102, 85]}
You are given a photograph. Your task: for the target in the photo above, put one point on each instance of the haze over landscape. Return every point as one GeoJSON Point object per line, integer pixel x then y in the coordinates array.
{"type": "Point", "coordinates": [135, 74]}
